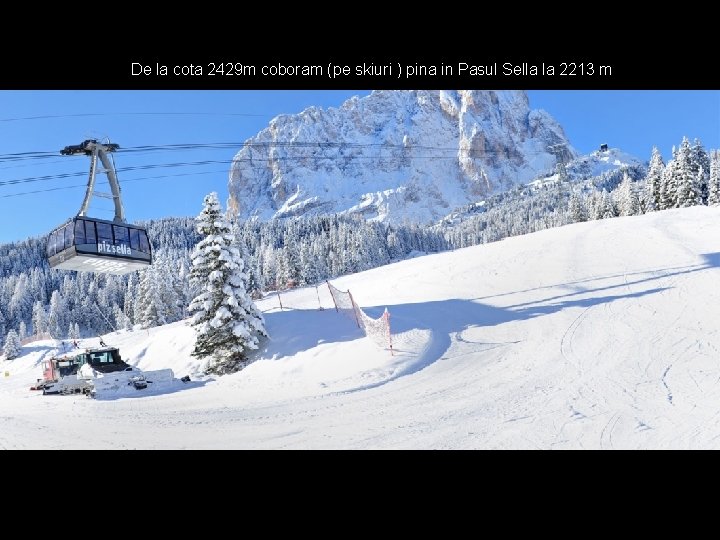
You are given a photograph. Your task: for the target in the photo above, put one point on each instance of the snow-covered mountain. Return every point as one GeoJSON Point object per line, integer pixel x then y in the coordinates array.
{"type": "Point", "coordinates": [600, 162]}
{"type": "Point", "coordinates": [596, 171]}
{"type": "Point", "coordinates": [398, 156]}
{"type": "Point", "coordinates": [596, 165]}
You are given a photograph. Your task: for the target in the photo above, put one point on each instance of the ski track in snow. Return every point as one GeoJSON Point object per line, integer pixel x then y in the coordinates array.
{"type": "Point", "coordinates": [596, 335]}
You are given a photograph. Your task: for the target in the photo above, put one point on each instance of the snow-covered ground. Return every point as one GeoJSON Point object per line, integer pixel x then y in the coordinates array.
{"type": "Point", "coordinates": [595, 335]}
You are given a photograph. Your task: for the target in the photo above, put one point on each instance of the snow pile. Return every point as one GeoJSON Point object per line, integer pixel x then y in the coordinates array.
{"type": "Point", "coordinates": [134, 383]}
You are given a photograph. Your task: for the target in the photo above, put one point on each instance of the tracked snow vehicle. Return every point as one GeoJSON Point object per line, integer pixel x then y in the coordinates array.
{"type": "Point", "coordinates": [97, 372]}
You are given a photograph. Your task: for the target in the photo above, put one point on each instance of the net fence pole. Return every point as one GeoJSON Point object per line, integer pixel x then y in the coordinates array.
{"type": "Point", "coordinates": [332, 295]}
{"type": "Point", "coordinates": [355, 309]}
{"type": "Point", "coordinates": [318, 297]}
{"type": "Point", "coordinates": [389, 333]}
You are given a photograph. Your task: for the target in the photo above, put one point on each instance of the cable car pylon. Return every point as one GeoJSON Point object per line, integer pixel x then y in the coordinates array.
{"type": "Point", "coordinates": [95, 150]}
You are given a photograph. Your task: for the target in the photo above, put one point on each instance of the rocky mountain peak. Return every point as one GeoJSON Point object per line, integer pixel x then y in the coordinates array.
{"type": "Point", "coordinates": [395, 155]}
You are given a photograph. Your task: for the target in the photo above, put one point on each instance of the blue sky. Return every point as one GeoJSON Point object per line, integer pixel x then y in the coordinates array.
{"type": "Point", "coordinates": [633, 120]}
{"type": "Point", "coordinates": [47, 121]}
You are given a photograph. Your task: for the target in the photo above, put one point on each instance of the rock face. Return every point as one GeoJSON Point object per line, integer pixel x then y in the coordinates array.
{"type": "Point", "coordinates": [395, 155]}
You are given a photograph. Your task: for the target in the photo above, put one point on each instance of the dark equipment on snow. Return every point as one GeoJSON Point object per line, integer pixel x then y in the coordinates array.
{"type": "Point", "coordinates": [139, 383]}
{"type": "Point", "coordinates": [104, 360]}
{"type": "Point", "coordinates": [97, 245]}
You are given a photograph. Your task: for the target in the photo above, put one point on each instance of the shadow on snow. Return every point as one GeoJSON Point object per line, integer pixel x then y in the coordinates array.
{"type": "Point", "coordinates": [445, 318]}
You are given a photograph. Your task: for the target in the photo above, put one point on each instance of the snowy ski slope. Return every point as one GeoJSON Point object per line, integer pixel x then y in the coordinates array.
{"type": "Point", "coordinates": [603, 334]}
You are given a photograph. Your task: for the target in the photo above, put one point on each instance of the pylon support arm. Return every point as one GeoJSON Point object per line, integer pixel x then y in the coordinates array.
{"type": "Point", "coordinates": [96, 150]}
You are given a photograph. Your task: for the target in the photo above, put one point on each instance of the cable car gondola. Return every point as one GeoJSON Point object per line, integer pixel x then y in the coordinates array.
{"type": "Point", "coordinates": [86, 244]}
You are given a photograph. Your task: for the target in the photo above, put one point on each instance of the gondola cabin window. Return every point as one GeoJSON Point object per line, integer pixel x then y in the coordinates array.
{"type": "Point", "coordinates": [90, 237]}
{"type": "Point", "coordinates": [79, 231]}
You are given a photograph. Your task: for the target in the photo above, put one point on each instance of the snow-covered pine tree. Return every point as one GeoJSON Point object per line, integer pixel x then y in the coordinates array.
{"type": "Point", "coordinates": [164, 280]}
{"type": "Point", "coordinates": [576, 210]}
{"type": "Point", "coordinates": [22, 330]}
{"type": "Point", "coordinates": [289, 269]}
{"type": "Point", "coordinates": [668, 187]}
{"type": "Point", "coordinates": [608, 208]}
{"type": "Point", "coordinates": [700, 165]}
{"type": "Point", "coordinates": [151, 308]}
{"type": "Point", "coordinates": [139, 298]}
{"type": "Point", "coordinates": [321, 260]}
{"type": "Point", "coordinates": [120, 319]}
{"type": "Point", "coordinates": [653, 181]}
{"type": "Point", "coordinates": [90, 319]}
{"type": "Point", "coordinates": [180, 287]}
{"type": "Point", "coordinates": [269, 267]}
{"type": "Point", "coordinates": [702, 185]}
{"type": "Point", "coordinates": [75, 331]}
{"type": "Point", "coordinates": [714, 188]}
{"type": "Point", "coordinates": [56, 316]}
{"type": "Point", "coordinates": [595, 206]}
{"type": "Point", "coordinates": [688, 191]}
{"type": "Point", "coordinates": [627, 202]}
{"type": "Point", "coordinates": [21, 301]}
{"type": "Point", "coordinates": [2, 324]}
{"type": "Point", "coordinates": [226, 320]}
{"type": "Point", "coordinates": [12, 345]}
{"type": "Point", "coordinates": [129, 300]}
{"type": "Point", "coordinates": [39, 318]}
{"type": "Point", "coordinates": [254, 282]}
{"type": "Point", "coordinates": [308, 269]}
